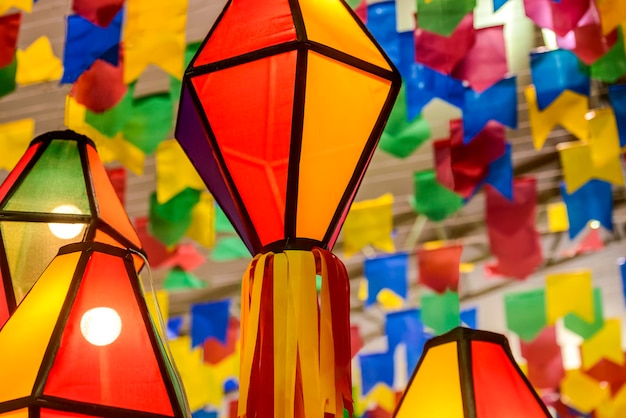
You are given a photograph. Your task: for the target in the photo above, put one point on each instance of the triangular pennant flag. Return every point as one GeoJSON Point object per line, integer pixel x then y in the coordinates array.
{"type": "Point", "coordinates": [604, 344]}
{"type": "Point", "coordinates": [405, 327]}
{"type": "Point", "coordinates": [202, 228]}
{"type": "Point", "coordinates": [610, 67]}
{"type": "Point", "coordinates": [583, 392]}
{"type": "Point", "coordinates": [544, 360]}
{"type": "Point", "coordinates": [376, 368]}
{"type": "Point", "coordinates": [584, 328]}
{"type": "Point", "coordinates": [432, 199]}
{"type": "Point", "coordinates": [8, 75]}
{"type": "Point", "coordinates": [179, 279]}
{"type": "Point", "coordinates": [557, 217]}
{"type": "Point", "coordinates": [617, 94]}
{"type": "Point", "coordinates": [25, 5]}
{"type": "Point", "coordinates": [174, 172]}
{"type": "Point", "coordinates": [171, 220]}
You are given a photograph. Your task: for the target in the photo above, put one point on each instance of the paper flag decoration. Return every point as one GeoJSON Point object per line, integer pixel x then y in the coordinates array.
{"type": "Point", "coordinates": [7, 77]}
{"type": "Point", "coordinates": [99, 12]}
{"type": "Point", "coordinates": [376, 368]}
{"type": "Point", "coordinates": [440, 313]}
{"type": "Point", "coordinates": [202, 228]}
{"type": "Point", "coordinates": [442, 16]}
{"type": "Point", "coordinates": [438, 269]}
{"type": "Point", "coordinates": [405, 327]}
{"type": "Point", "coordinates": [25, 5]}
{"type": "Point", "coordinates": [101, 86]}
{"type": "Point", "coordinates": [14, 140]}
{"type": "Point", "coordinates": [160, 315]}
{"type": "Point", "coordinates": [610, 67]}
{"type": "Point", "coordinates": [432, 199]}
{"type": "Point", "coordinates": [583, 328]}
{"type": "Point", "coordinates": [557, 217]}
{"type": "Point", "coordinates": [500, 175]}
{"type": "Point", "coordinates": [179, 279]}
{"type": "Point", "coordinates": [154, 33]}
{"type": "Point", "coordinates": [170, 221]}
{"type": "Point", "coordinates": [37, 63]}
{"type": "Point", "coordinates": [386, 272]}
{"type": "Point", "coordinates": [593, 201]}
{"type": "Point", "coordinates": [86, 42]}
{"type": "Point", "coordinates": [229, 248]}
{"type": "Point", "coordinates": [605, 344]}
{"type": "Point", "coordinates": [443, 53]}
{"type": "Point", "coordinates": [600, 155]}
{"type": "Point", "coordinates": [526, 313]}
{"type": "Point", "coordinates": [544, 360]}
{"type": "Point", "coordinates": [402, 137]}
{"type": "Point", "coordinates": [356, 341]}
{"type": "Point", "coordinates": [369, 222]}
{"type": "Point", "coordinates": [469, 318]}
{"type": "Point", "coordinates": [568, 110]}
{"type": "Point", "coordinates": [150, 121]}
{"type": "Point", "coordinates": [622, 267]}
{"type": "Point", "coordinates": [209, 319]}
{"type": "Point", "coordinates": [9, 29]}
{"type": "Point", "coordinates": [485, 63]}
{"type": "Point", "coordinates": [612, 13]}
{"type": "Point", "coordinates": [611, 373]}
{"type": "Point", "coordinates": [617, 94]}
{"type": "Point", "coordinates": [587, 40]}
{"type": "Point", "coordinates": [222, 224]}
{"type": "Point", "coordinates": [582, 392]}
{"type": "Point", "coordinates": [425, 84]}
{"type": "Point", "coordinates": [569, 293]}
{"type": "Point", "coordinates": [553, 72]}
{"type": "Point", "coordinates": [513, 238]}
{"type": "Point", "coordinates": [174, 172]}
{"type": "Point", "coordinates": [559, 16]}
{"type": "Point", "coordinates": [193, 373]}
{"type": "Point", "coordinates": [497, 103]}
{"type": "Point", "coordinates": [497, 4]}
{"type": "Point", "coordinates": [215, 351]}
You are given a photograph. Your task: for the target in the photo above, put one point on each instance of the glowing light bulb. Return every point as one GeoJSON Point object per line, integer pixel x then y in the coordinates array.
{"type": "Point", "coordinates": [101, 326]}
{"type": "Point", "coordinates": [63, 230]}
{"type": "Point", "coordinates": [594, 224]}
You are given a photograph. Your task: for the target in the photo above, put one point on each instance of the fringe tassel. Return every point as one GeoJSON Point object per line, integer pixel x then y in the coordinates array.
{"type": "Point", "coordinates": [295, 343]}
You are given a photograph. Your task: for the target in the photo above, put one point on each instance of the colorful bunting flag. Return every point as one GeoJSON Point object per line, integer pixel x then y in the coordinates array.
{"type": "Point", "coordinates": [194, 374]}
{"type": "Point", "coordinates": [622, 266]}
{"type": "Point", "coordinates": [229, 248]}
{"type": "Point", "coordinates": [171, 220]}
{"type": "Point", "coordinates": [612, 13]}
{"type": "Point", "coordinates": [442, 16]}
{"type": "Point", "coordinates": [570, 292]}
{"type": "Point", "coordinates": [500, 175]}
{"type": "Point", "coordinates": [438, 269]}
{"type": "Point", "coordinates": [557, 217]}
{"type": "Point", "coordinates": [222, 224]}
{"type": "Point", "coordinates": [209, 319]}
{"type": "Point", "coordinates": [98, 12]}
{"type": "Point", "coordinates": [513, 238]}
{"type": "Point", "coordinates": [611, 373]}
{"type": "Point", "coordinates": [37, 63]}
{"type": "Point", "coordinates": [544, 360]}
{"type": "Point", "coordinates": [497, 4]}
{"type": "Point", "coordinates": [425, 84]}
{"type": "Point", "coordinates": [604, 344]}
{"type": "Point", "coordinates": [86, 42]}
{"type": "Point", "coordinates": [526, 313]}
{"type": "Point", "coordinates": [101, 86]}
{"type": "Point", "coordinates": [582, 392]}
{"type": "Point", "coordinates": [158, 308]}
{"type": "Point", "coordinates": [593, 201]}
{"type": "Point", "coordinates": [568, 110]}
{"type": "Point", "coordinates": [432, 199]}
{"type": "Point", "coordinates": [7, 77]}
{"type": "Point", "coordinates": [376, 368]}
{"type": "Point", "coordinates": [356, 341]}
{"type": "Point", "coordinates": [559, 16]}
{"type": "Point", "coordinates": [440, 312]}
{"type": "Point", "coordinates": [14, 140]}
{"type": "Point", "coordinates": [25, 5]}
{"type": "Point", "coordinates": [405, 327]}
{"type": "Point", "coordinates": [610, 67]}
{"type": "Point", "coordinates": [154, 33]}
{"type": "Point", "coordinates": [215, 351]}
{"type": "Point", "coordinates": [617, 94]}
{"type": "Point", "coordinates": [386, 272]}
{"type": "Point", "coordinates": [469, 318]}
{"type": "Point", "coordinates": [179, 279]}
{"type": "Point", "coordinates": [9, 29]}
{"type": "Point", "coordinates": [202, 228]}
{"type": "Point", "coordinates": [174, 172]}
{"type": "Point", "coordinates": [174, 327]}
{"type": "Point", "coordinates": [150, 121]}
{"type": "Point", "coordinates": [369, 222]}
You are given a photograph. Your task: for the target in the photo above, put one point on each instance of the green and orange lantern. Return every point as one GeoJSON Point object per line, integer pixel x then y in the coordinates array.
{"type": "Point", "coordinates": [281, 110]}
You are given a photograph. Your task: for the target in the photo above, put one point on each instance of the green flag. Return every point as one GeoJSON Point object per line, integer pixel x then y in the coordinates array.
{"type": "Point", "coordinates": [526, 313]}
{"type": "Point", "coordinates": [7, 77]}
{"type": "Point", "coordinates": [179, 279]}
{"type": "Point", "coordinates": [441, 312]}
{"type": "Point", "coordinates": [170, 221]}
{"type": "Point", "coordinates": [442, 16]}
{"type": "Point", "coordinates": [432, 199]}
{"type": "Point", "coordinates": [229, 248]}
{"type": "Point", "coordinates": [585, 329]}
{"type": "Point", "coordinates": [612, 65]}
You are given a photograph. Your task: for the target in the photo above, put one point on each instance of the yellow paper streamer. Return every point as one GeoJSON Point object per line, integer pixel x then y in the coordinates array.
{"type": "Point", "coordinates": [369, 223]}
{"type": "Point", "coordinates": [154, 33]}
{"type": "Point", "coordinates": [25, 5]}
{"type": "Point", "coordinates": [327, 353]}
{"type": "Point", "coordinates": [583, 392]}
{"type": "Point", "coordinates": [606, 343]}
{"type": "Point", "coordinates": [557, 217]}
{"type": "Point", "coordinates": [14, 139]}
{"type": "Point", "coordinates": [600, 156]}
{"type": "Point", "coordinates": [202, 228]}
{"type": "Point", "coordinates": [568, 110]}
{"type": "Point", "coordinates": [164, 308]}
{"type": "Point", "coordinates": [174, 171]}
{"type": "Point", "coordinates": [569, 293]}
{"type": "Point", "coordinates": [37, 63]}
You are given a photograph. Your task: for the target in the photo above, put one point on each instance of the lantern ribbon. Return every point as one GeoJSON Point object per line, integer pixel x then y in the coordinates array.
{"type": "Point", "coordinates": [295, 358]}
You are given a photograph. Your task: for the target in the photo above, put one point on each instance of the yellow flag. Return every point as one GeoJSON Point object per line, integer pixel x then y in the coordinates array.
{"type": "Point", "coordinates": [193, 372]}
{"type": "Point", "coordinates": [109, 149]}
{"type": "Point", "coordinates": [569, 293]}
{"type": "Point", "coordinates": [162, 298]}
{"type": "Point", "coordinates": [613, 408]}
{"type": "Point", "coordinates": [25, 5]}
{"type": "Point", "coordinates": [369, 223]}
{"type": "Point", "coordinates": [174, 171]}
{"type": "Point", "coordinates": [557, 217]}
{"type": "Point", "coordinates": [583, 392]}
{"type": "Point", "coordinates": [606, 343]}
{"type": "Point", "coordinates": [219, 373]}
{"type": "Point", "coordinates": [598, 158]}
{"type": "Point", "coordinates": [389, 299]}
{"type": "Point", "coordinates": [612, 13]}
{"type": "Point", "coordinates": [202, 228]}
{"type": "Point", "coordinates": [363, 291]}
{"type": "Point", "coordinates": [381, 395]}
{"type": "Point", "coordinates": [568, 110]}
{"type": "Point", "coordinates": [37, 63]}
{"type": "Point", "coordinates": [14, 139]}
{"type": "Point", "coordinates": [154, 33]}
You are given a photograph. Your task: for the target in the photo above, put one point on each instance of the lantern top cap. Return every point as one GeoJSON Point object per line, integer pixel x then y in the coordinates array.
{"type": "Point", "coordinates": [99, 247]}
{"type": "Point", "coordinates": [67, 134]}
{"type": "Point", "coordinates": [467, 334]}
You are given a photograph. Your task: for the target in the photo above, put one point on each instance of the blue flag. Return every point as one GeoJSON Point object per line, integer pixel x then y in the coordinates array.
{"type": "Point", "coordinates": [425, 84]}
{"type": "Point", "coordinates": [497, 4]}
{"type": "Point", "coordinates": [386, 272]}
{"type": "Point", "coordinates": [405, 327]}
{"type": "Point", "coordinates": [500, 174]}
{"type": "Point", "coordinates": [376, 368]}
{"type": "Point", "coordinates": [622, 266]}
{"type": "Point", "coordinates": [209, 320]}
{"type": "Point", "coordinates": [617, 94]}
{"type": "Point", "coordinates": [593, 201]}
{"type": "Point", "coordinates": [174, 327]}
{"type": "Point", "coordinates": [469, 318]}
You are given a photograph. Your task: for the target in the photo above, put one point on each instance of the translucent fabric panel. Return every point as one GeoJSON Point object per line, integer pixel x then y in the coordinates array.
{"type": "Point", "coordinates": [249, 108]}
{"type": "Point", "coordinates": [248, 25]}
{"type": "Point", "coordinates": [435, 390]}
{"type": "Point", "coordinates": [20, 413]}
{"type": "Point", "coordinates": [30, 246]}
{"type": "Point", "coordinates": [110, 208]}
{"type": "Point", "coordinates": [123, 373]}
{"type": "Point", "coordinates": [25, 336]}
{"type": "Point", "coordinates": [17, 170]}
{"type": "Point", "coordinates": [342, 106]}
{"type": "Point", "coordinates": [55, 182]}
{"type": "Point", "coordinates": [329, 22]}
{"type": "Point", "coordinates": [499, 388]}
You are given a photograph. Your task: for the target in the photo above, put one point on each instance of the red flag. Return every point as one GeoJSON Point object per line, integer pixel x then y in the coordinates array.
{"type": "Point", "coordinates": [544, 359]}
{"type": "Point", "coordinates": [215, 351]}
{"type": "Point", "coordinates": [99, 12]}
{"type": "Point", "coordinates": [9, 28]}
{"type": "Point", "coordinates": [439, 268]}
{"type": "Point", "coordinates": [513, 239]}
{"type": "Point", "coordinates": [356, 342]}
{"type": "Point", "coordinates": [609, 372]}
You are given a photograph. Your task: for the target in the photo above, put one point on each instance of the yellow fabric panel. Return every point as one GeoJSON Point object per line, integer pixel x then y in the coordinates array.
{"type": "Point", "coordinates": [25, 336]}
{"type": "Point", "coordinates": [436, 389]}
{"type": "Point", "coordinates": [570, 292]}
{"type": "Point", "coordinates": [342, 106]}
{"type": "Point", "coordinates": [341, 32]}
{"type": "Point", "coordinates": [20, 413]}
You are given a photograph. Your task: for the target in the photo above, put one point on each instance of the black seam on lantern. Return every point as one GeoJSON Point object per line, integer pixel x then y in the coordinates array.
{"type": "Point", "coordinates": [44, 217]}
{"type": "Point", "coordinates": [99, 247]}
{"type": "Point", "coordinates": [359, 170]}
{"type": "Point", "coordinates": [243, 59]}
{"type": "Point", "coordinates": [34, 412]}
{"type": "Point", "coordinates": [466, 376]}
{"type": "Point", "coordinates": [206, 38]}
{"type": "Point", "coordinates": [351, 60]}
{"type": "Point", "coordinates": [15, 404]}
{"type": "Point", "coordinates": [298, 20]}
{"type": "Point", "coordinates": [228, 180]}
{"type": "Point", "coordinates": [115, 234]}
{"type": "Point", "coordinates": [22, 176]}
{"type": "Point", "coordinates": [54, 343]}
{"type": "Point", "coordinates": [67, 134]}
{"type": "Point", "coordinates": [159, 352]}
{"type": "Point", "coordinates": [7, 281]}
{"type": "Point", "coordinates": [295, 146]}
{"type": "Point", "coordinates": [304, 244]}
{"type": "Point", "coordinates": [104, 411]}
